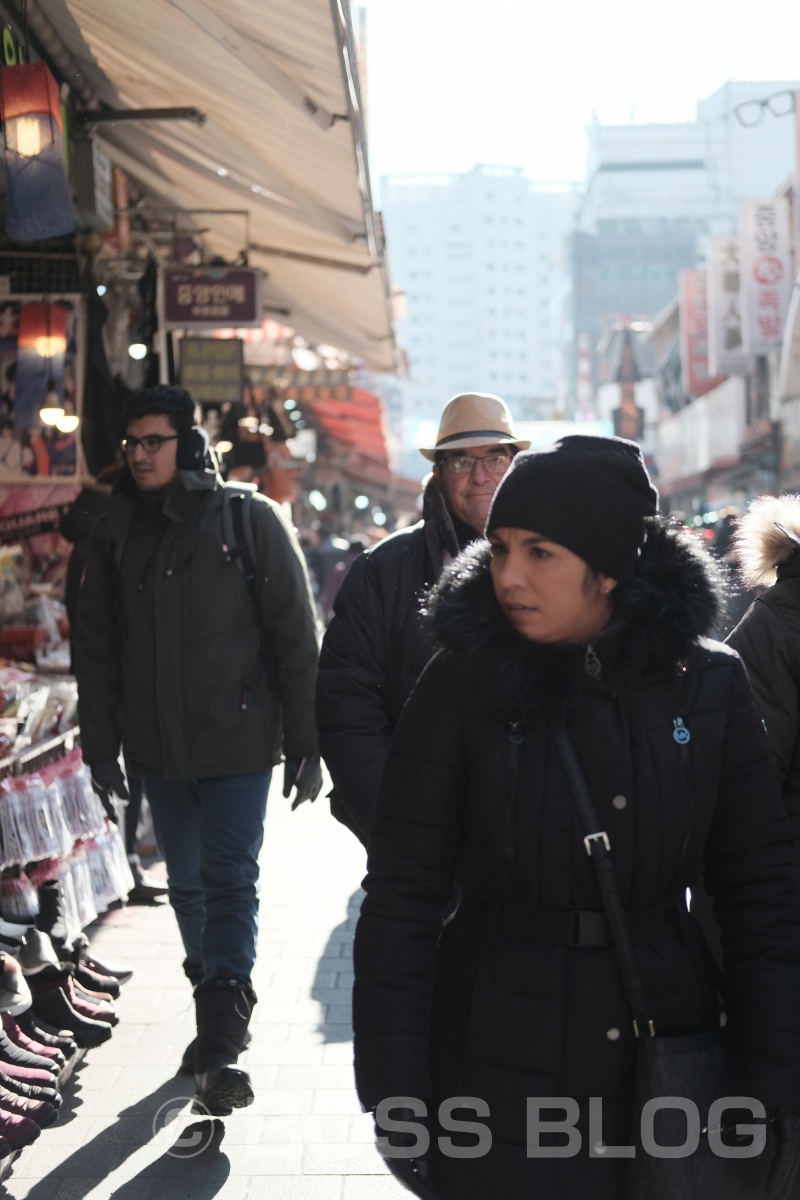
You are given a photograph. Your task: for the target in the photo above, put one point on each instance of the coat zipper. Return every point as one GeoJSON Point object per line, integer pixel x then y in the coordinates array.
{"type": "Point", "coordinates": [516, 737]}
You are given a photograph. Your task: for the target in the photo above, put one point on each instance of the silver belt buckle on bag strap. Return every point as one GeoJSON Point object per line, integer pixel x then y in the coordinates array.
{"type": "Point", "coordinates": [593, 837]}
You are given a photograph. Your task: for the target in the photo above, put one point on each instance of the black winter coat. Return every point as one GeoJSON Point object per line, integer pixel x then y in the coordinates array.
{"type": "Point", "coordinates": [374, 650]}
{"type": "Point", "coordinates": [474, 791]}
{"type": "Point", "coordinates": [768, 639]}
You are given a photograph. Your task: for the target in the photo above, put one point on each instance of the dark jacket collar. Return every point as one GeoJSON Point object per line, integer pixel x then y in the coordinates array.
{"type": "Point", "coordinates": [180, 501]}
{"type": "Point", "coordinates": [444, 534]}
{"type": "Point", "coordinates": [661, 616]}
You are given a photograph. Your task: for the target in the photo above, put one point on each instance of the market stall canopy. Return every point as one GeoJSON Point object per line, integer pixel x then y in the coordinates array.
{"type": "Point", "coordinates": [283, 141]}
{"type": "Point", "coordinates": [357, 422]}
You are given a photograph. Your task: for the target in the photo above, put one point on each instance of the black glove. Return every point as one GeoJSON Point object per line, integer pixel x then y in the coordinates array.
{"type": "Point", "coordinates": [306, 775]}
{"type": "Point", "coordinates": [783, 1174]}
{"type": "Point", "coordinates": [415, 1174]}
{"type": "Point", "coordinates": [108, 781]}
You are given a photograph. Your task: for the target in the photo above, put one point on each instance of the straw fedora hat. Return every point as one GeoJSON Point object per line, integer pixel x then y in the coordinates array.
{"type": "Point", "coordinates": [474, 419]}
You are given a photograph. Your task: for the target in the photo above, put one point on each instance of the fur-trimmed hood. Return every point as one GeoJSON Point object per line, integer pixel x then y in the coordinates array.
{"type": "Point", "coordinates": [673, 601]}
{"type": "Point", "coordinates": [760, 545]}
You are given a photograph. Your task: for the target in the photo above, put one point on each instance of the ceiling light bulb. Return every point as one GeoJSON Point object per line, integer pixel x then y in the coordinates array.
{"type": "Point", "coordinates": [68, 423]}
{"type": "Point", "coordinates": [137, 350]}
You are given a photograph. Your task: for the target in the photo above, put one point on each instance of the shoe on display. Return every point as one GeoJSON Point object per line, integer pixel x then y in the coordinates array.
{"type": "Point", "coordinates": [20, 1038]}
{"type": "Point", "coordinates": [120, 973]}
{"type": "Point", "coordinates": [37, 953]}
{"type": "Point", "coordinates": [52, 918]}
{"type": "Point", "coordinates": [30, 1091]}
{"type": "Point", "coordinates": [92, 981]}
{"type": "Point", "coordinates": [51, 1003]}
{"type": "Point", "coordinates": [101, 999]}
{"type": "Point", "coordinates": [15, 995]}
{"type": "Point", "coordinates": [40, 1111]}
{"type": "Point", "coordinates": [46, 1034]}
{"type": "Point", "coordinates": [11, 1053]}
{"type": "Point", "coordinates": [14, 929]}
{"type": "Point", "coordinates": [33, 1077]}
{"type": "Point", "coordinates": [145, 888]}
{"type": "Point", "coordinates": [17, 1131]}
{"type": "Point", "coordinates": [88, 1008]}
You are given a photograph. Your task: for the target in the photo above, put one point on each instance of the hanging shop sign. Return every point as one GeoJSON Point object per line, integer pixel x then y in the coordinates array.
{"type": "Point", "coordinates": [32, 523]}
{"type": "Point", "coordinates": [726, 355]}
{"type": "Point", "coordinates": [212, 369]}
{"type": "Point", "coordinates": [697, 379]}
{"type": "Point", "coordinates": [41, 385]}
{"type": "Point", "coordinates": [38, 199]}
{"type": "Point", "coordinates": [92, 176]}
{"type": "Point", "coordinates": [211, 297]}
{"type": "Point", "coordinates": [766, 273]}
{"type": "Point", "coordinates": [789, 373]}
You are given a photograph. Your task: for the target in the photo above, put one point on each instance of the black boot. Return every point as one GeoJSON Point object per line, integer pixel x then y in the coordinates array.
{"type": "Point", "coordinates": [194, 973]}
{"type": "Point", "coordinates": [52, 918]}
{"type": "Point", "coordinates": [223, 1008]}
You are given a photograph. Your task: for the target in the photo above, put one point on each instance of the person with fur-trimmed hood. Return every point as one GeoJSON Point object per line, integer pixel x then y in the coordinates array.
{"type": "Point", "coordinates": [375, 646]}
{"type": "Point", "coordinates": [587, 607]}
{"type": "Point", "coordinates": [767, 543]}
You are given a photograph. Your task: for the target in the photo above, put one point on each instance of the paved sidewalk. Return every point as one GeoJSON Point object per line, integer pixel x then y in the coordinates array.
{"type": "Point", "coordinates": [304, 1138]}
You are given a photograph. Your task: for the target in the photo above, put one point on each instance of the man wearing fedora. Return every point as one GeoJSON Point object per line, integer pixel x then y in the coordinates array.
{"type": "Point", "coordinates": [375, 646]}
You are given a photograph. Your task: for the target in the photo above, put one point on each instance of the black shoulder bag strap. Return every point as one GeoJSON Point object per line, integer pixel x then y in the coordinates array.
{"type": "Point", "coordinates": [598, 847]}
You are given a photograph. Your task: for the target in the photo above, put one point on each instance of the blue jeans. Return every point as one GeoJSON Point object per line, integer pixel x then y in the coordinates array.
{"type": "Point", "coordinates": [209, 833]}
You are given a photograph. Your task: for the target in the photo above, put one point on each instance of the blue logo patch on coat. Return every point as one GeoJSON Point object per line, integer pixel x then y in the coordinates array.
{"type": "Point", "coordinates": [680, 733]}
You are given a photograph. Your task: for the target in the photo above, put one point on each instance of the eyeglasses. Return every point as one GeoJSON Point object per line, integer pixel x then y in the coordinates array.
{"type": "Point", "coordinates": [463, 464]}
{"type": "Point", "coordinates": [151, 443]}
{"type": "Point", "coordinates": [750, 112]}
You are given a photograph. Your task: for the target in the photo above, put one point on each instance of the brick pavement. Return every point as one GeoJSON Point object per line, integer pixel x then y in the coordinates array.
{"type": "Point", "coordinates": [304, 1138]}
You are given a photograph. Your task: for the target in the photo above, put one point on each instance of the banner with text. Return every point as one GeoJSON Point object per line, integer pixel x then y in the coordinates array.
{"type": "Point", "coordinates": [766, 273]}
{"type": "Point", "coordinates": [697, 380]}
{"type": "Point", "coordinates": [726, 354]}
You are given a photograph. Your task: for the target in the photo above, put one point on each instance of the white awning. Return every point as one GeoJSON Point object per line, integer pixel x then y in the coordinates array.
{"type": "Point", "coordinates": [283, 140]}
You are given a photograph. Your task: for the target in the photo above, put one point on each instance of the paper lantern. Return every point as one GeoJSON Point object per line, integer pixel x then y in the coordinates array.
{"type": "Point", "coordinates": [42, 328]}
{"type": "Point", "coordinates": [38, 200]}
{"type": "Point", "coordinates": [43, 336]}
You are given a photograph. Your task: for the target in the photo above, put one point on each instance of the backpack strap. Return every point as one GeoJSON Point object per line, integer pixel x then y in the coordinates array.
{"type": "Point", "coordinates": [239, 545]}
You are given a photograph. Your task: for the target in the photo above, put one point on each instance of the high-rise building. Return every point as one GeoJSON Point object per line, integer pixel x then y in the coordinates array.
{"type": "Point", "coordinates": [652, 194]}
{"type": "Point", "coordinates": [475, 256]}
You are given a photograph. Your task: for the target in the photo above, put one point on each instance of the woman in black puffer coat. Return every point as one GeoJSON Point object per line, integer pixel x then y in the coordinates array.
{"type": "Point", "coordinates": [589, 606]}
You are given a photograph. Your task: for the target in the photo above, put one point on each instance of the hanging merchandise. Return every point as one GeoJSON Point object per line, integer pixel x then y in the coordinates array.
{"type": "Point", "coordinates": [38, 200]}
{"type": "Point", "coordinates": [41, 381]}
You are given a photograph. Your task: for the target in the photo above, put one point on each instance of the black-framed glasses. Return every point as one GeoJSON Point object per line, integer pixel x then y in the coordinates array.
{"type": "Point", "coordinates": [462, 464]}
{"type": "Point", "coordinates": [750, 112]}
{"type": "Point", "coordinates": [151, 443]}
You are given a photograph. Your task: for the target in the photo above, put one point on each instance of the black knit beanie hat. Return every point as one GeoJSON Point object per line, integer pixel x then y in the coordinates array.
{"type": "Point", "coordinates": [590, 494]}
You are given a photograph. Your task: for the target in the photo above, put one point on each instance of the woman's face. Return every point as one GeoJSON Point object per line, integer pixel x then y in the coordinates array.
{"type": "Point", "coordinates": [545, 591]}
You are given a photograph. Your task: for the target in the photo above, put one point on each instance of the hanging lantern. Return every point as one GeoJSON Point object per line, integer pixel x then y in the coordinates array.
{"type": "Point", "coordinates": [38, 200]}
{"type": "Point", "coordinates": [41, 344]}
{"type": "Point", "coordinates": [42, 328]}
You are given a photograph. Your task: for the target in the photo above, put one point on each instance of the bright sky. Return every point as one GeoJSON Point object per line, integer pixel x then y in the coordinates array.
{"type": "Point", "coordinates": [515, 82]}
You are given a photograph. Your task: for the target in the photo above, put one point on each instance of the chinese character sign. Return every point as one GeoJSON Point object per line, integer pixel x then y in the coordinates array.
{"type": "Point", "coordinates": [766, 273]}
{"type": "Point", "coordinates": [725, 335]}
{"type": "Point", "coordinates": [212, 369]}
{"type": "Point", "coordinates": [211, 297]}
{"type": "Point", "coordinates": [697, 380]}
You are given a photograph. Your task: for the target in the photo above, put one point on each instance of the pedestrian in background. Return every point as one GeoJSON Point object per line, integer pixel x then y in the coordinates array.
{"type": "Point", "coordinates": [202, 682]}
{"type": "Point", "coordinates": [767, 543]}
{"type": "Point", "coordinates": [375, 646]}
{"type": "Point", "coordinates": [585, 616]}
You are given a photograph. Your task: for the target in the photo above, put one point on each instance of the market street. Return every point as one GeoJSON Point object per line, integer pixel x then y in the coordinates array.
{"type": "Point", "coordinates": [304, 1138]}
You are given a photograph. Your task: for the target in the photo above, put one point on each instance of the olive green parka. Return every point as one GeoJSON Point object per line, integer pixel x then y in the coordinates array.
{"type": "Point", "coordinates": [167, 645]}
